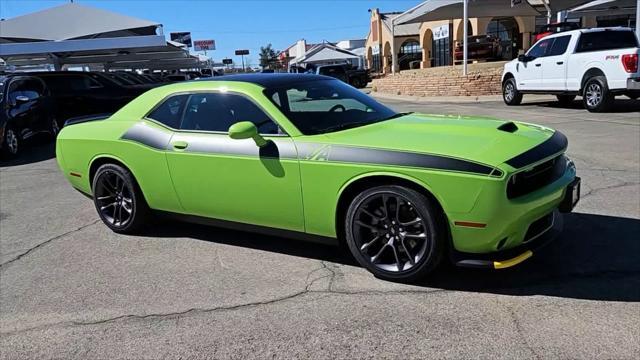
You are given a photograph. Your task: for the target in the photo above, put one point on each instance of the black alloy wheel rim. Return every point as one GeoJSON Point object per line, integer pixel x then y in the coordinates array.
{"type": "Point", "coordinates": [390, 233]}
{"type": "Point", "coordinates": [114, 199]}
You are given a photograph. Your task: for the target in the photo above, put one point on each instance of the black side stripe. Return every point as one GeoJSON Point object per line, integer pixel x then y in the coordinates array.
{"type": "Point", "coordinates": [285, 149]}
{"type": "Point", "coordinates": [553, 145]}
{"type": "Point", "coordinates": [360, 155]}
{"type": "Point", "coordinates": [150, 136]}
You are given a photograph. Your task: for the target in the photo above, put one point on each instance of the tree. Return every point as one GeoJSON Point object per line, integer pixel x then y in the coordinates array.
{"type": "Point", "coordinates": [268, 57]}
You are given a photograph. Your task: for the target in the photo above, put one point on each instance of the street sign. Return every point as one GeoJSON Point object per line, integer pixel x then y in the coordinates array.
{"type": "Point", "coordinates": [227, 61]}
{"type": "Point", "coordinates": [204, 45]}
{"type": "Point", "coordinates": [242, 52]}
{"type": "Point", "coordinates": [182, 38]}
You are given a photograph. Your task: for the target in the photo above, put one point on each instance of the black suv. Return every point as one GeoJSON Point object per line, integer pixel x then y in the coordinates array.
{"type": "Point", "coordinates": [26, 112]}
{"type": "Point", "coordinates": [77, 93]}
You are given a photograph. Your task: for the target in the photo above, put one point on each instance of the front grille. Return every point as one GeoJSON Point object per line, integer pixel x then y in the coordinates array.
{"type": "Point", "coordinates": [538, 177]}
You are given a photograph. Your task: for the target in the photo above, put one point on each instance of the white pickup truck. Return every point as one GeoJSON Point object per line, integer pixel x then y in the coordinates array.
{"type": "Point", "coordinates": [597, 64]}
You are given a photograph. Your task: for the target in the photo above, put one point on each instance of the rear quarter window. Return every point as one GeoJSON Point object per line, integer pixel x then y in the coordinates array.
{"type": "Point", "coordinates": [606, 40]}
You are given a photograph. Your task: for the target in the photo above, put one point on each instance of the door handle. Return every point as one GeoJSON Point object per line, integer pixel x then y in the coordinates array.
{"type": "Point", "coordinates": [560, 62]}
{"type": "Point", "coordinates": [538, 65]}
{"type": "Point", "coordinates": [180, 145]}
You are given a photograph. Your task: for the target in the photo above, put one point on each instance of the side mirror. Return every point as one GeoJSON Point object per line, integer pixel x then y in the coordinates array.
{"type": "Point", "coordinates": [523, 58]}
{"type": "Point", "coordinates": [21, 99]}
{"type": "Point", "coordinates": [246, 130]}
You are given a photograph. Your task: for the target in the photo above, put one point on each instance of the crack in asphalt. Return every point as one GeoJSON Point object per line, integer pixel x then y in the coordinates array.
{"type": "Point", "coordinates": [594, 191]}
{"type": "Point", "coordinates": [520, 330]}
{"type": "Point", "coordinates": [39, 245]}
{"type": "Point", "coordinates": [195, 311]}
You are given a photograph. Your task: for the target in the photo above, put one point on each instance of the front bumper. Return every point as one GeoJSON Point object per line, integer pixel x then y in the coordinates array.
{"type": "Point", "coordinates": [514, 256]}
{"type": "Point", "coordinates": [538, 234]}
{"type": "Point", "coordinates": [633, 84]}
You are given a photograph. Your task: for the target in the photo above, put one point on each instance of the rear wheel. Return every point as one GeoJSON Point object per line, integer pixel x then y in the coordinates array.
{"type": "Point", "coordinates": [356, 83]}
{"type": "Point", "coordinates": [510, 93]}
{"type": "Point", "coordinates": [54, 128]}
{"type": "Point", "coordinates": [565, 100]}
{"type": "Point", "coordinates": [596, 95]}
{"type": "Point", "coordinates": [10, 143]}
{"type": "Point", "coordinates": [394, 232]}
{"type": "Point", "coordinates": [118, 199]}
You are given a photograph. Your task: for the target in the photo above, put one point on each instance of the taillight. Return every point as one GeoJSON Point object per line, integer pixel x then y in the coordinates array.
{"type": "Point", "coordinates": [630, 63]}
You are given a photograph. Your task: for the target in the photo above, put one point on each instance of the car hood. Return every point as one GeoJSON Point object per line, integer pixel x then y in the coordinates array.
{"type": "Point", "coordinates": [484, 140]}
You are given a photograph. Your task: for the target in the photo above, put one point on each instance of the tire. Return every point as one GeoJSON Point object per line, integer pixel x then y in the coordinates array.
{"type": "Point", "coordinates": [380, 242]}
{"type": "Point", "coordinates": [11, 143]}
{"type": "Point", "coordinates": [596, 96]}
{"type": "Point", "coordinates": [565, 100]}
{"type": "Point", "coordinates": [356, 83]}
{"type": "Point", "coordinates": [510, 93]}
{"type": "Point", "coordinates": [54, 128]}
{"type": "Point", "coordinates": [119, 200]}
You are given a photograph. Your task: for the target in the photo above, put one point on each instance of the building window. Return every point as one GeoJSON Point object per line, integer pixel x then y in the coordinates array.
{"type": "Point", "coordinates": [410, 52]}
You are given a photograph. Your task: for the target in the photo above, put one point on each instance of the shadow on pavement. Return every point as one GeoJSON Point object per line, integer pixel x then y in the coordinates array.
{"type": "Point", "coordinates": [595, 258]}
{"type": "Point", "coordinates": [32, 152]}
{"type": "Point", "coordinates": [620, 105]}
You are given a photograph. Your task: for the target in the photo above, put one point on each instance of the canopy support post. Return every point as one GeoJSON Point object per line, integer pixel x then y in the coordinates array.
{"type": "Point", "coordinates": [465, 43]}
{"type": "Point", "coordinates": [394, 56]}
{"type": "Point", "coordinates": [638, 20]}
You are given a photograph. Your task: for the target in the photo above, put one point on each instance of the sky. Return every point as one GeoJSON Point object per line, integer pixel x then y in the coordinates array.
{"type": "Point", "coordinates": [241, 24]}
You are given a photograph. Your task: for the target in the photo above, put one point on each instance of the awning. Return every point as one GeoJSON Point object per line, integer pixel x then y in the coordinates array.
{"type": "Point", "coordinates": [431, 10]}
{"type": "Point", "coordinates": [606, 7]}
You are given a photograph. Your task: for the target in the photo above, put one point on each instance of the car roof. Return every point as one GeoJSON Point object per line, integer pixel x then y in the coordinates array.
{"type": "Point", "coordinates": [270, 80]}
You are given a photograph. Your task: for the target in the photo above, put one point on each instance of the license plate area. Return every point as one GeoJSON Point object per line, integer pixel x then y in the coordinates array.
{"type": "Point", "coordinates": [571, 196]}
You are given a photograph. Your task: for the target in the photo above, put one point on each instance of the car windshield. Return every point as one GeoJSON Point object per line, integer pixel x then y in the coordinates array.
{"type": "Point", "coordinates": [324, 106]}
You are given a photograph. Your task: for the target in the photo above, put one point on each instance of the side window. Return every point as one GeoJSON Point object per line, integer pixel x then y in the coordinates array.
{"type": "Point", "coordinates": [170, 111]}
{"type": "Point", "coordinates": [218, 111]}
{"type": "Point", "coordinates": [540, 49]}
{"type": "Point", "coordinates": [559, 46]}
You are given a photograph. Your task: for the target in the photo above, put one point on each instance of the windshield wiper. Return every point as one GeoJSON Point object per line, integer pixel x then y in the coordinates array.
{"type": "Point", "coordinates": [395, 116]}
{"type": "Point", "coordinates": [345, 126]}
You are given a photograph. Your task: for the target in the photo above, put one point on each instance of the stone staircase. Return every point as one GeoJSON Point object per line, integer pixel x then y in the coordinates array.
{"type": "Point", "coordinates": [483, 79]}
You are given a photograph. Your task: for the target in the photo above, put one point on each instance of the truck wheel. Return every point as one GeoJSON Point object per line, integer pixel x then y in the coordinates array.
{"type": "Point", "coordinates": [565, 100]}
{"type": "Point", "coordinates": [510, 93]}
{"type": "Point", "coordinates": [596, 95]}
{"type": "Point", "coordinates": [395, 233]}
{"type": "Point", "coordinates": [11, 143]}
{"type": "Point", "coordinates": [356, 83]}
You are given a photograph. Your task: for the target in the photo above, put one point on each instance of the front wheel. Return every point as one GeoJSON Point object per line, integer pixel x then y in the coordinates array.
{"type": "Point", "coordinates": [394, 232]}
{"type": "Point", "coordinates": [596, 95]}
{"type": "Point", "coordinates": [119, 200]}
{"type": "Point", "coordinates": [54, 128]}
{"type": "Point", "coordinates": [510, 93]}
{"type": "Point", "coordinates": [10, 143]}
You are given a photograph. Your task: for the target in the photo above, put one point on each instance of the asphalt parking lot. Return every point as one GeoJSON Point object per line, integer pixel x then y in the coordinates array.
{"type": "Point", "coordinates": [70, 288]}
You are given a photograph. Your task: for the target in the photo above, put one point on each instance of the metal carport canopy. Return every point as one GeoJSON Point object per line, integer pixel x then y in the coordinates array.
{"type": "Point", "coordinates": [74, 34]}
{"type": "Point", "coordinates": [431, 10]}
{"type": "Point", "coordinates": [610, 7]}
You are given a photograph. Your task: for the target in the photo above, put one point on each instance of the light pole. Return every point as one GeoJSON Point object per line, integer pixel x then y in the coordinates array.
{"type": "Point", "coordinates": [465, 32]}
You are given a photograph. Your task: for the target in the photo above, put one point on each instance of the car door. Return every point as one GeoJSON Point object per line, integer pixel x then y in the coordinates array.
{"type": "Point", "coordinates": [26, 106]}
{"type": "Point", "coordinates": [554, 65]}
{"type": "Point", "coordinates": [530, 72]}
{"type": "Point", "coordinates": [219, 177]}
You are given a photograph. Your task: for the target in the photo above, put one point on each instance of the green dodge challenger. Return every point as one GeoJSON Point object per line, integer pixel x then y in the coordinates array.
{"type": "Point", "coordinates": [312, 157]}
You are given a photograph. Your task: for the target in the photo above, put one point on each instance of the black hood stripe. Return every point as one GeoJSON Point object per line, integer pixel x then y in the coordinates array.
{"type": "Point", "coordinates": [349, 154]}
{"type": "Point", "coordinates": [285, 149]}
{"type": "Point", "coordinates": [553, 145]}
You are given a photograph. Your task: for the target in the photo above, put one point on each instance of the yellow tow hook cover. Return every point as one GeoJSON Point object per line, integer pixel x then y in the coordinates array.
{"type": "Point", "coordinates": [512, 262]}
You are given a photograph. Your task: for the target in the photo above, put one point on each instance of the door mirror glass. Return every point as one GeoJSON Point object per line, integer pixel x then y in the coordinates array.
{"type": "Point", "coordinates": [21, 99]}
{"type": "Point", "coordinates": [246, 130]}
{"type": "Point", "coordinates": [523, 58]}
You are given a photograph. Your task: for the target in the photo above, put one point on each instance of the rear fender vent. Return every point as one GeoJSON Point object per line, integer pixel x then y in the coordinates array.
{"type": "Point", "coordinates": [509, 127]}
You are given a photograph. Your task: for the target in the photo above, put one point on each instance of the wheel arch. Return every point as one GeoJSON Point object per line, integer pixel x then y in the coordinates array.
{"type": "Point", "coordinates": [508, 75]}
{"type": "Point", "coordinates": [593, 71]}
{"type": "Point", "coordinates": [365, 181]}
